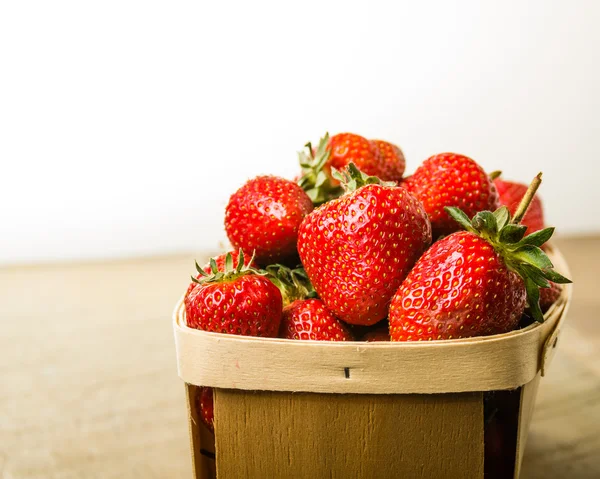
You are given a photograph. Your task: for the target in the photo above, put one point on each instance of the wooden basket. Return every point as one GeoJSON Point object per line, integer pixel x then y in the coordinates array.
{"type": "Point", "coordinates": [310, 409]}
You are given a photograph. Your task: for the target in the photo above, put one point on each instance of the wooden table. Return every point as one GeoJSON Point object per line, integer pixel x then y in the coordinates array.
{"type": "Point", "coordinates": [89, 389]}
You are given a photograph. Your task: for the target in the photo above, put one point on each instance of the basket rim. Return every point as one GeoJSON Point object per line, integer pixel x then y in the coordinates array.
{"type": "Point", "coordinates": [524, 354]}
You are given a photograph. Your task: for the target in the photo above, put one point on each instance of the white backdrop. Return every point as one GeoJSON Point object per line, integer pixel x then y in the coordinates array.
{"type": "Point", "coordinates": [124, 126]}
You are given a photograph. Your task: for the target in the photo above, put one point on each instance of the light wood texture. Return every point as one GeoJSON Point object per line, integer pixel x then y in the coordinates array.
{"type": "Point", "coordinates": [89, 386]}
{"type": "Point", "coordinates": [325, 436]}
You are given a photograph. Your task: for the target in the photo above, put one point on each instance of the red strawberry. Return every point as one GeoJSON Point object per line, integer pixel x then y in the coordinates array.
{"type": "Point", "coordinates": [510, 194]}
{"type": "Point", "coordinates": [220, 262]}
{"type": "Point", "coordinates": [349, 148]}
{"type": "Point", "coordinates": [548, 296]}
{"type": "Point", "coordinates": [449, 179]}
{"type": "Point", "coordinates": [205, 407]}
{"type": "Point", "coordinates": [474, 282]}
{"type": "Point", "coordinates": [236, 301]}
{"type": "Point", "coordinates": [459, 288]}
{"type": "Point", "coordinates": [357, 249]}
{"type": "Point", "coordinates": [310, 319]}
{"type": "Point", "coordinates": [393, 159]}
{"type": "Point", "coordinates": [264, 215]}
{"type": "Point", "coordinates": [373, 157]}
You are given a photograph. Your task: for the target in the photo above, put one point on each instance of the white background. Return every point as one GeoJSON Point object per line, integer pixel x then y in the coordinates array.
{"type": "Point", "coordinates": [124, 126]}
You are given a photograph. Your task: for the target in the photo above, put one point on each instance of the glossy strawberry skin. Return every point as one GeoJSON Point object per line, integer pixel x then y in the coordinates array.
{"type": "Point", "coordinates": [205, 407]}
{"type": "Point", "coordinates": [249, 305]}
{"type": "Point", "coordinates": [510, 194]}
{"type": "Point", "coordinates": [220, 260]}
{"type": "Point", "coordinates": [459, 288]}
{"type": "Point", "coordinates": [264, 216]}
{"type": "Point", "coordinates": [449, 179]}
{"type": "Point", "coordinates": [548, 296]}
{"type": "Point", "coordinates": [357, 249]}
{"type": "Point", "coordinates": [393, 160]}
{"type": "Point", "coordinates": [310, 319]}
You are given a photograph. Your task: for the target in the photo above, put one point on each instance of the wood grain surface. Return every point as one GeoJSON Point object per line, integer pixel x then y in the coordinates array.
{"type": "Point", "coordinates": [89, 386]}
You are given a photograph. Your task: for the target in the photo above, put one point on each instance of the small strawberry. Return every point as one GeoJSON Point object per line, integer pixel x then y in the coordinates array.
{"type": "Point", "coordinates": [310, 319]}
{"type": "Point", "coordinates": [237, 300]}
{"type": "Point", "coordinates": [205, 407]}
{"type": "Point", "coordinates": [449, 179]}
{"type": "Point", "coordinates": [373, 157]}
{"type": "Point", "coordinates": [264, 215]}
{"type": "Point", "coordinates": [548, 296]}
{"type": "Point", "coordinates": [220, 262]}
{"type": "Point", "coordinates": [475, 282]}
{"type": "Point", "coordinates": [357, 249]}
{"type": "Point", "coordinates": [378, 334]}
{"type": "Point", "coordinates": [510, 194]}
{"type": "Point", "coordinates": [393, 159]}
{"type": "Point", "coordinates": [349, 148]}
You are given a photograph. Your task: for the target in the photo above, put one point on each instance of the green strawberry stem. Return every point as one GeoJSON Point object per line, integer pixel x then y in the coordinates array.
{"type": "Point", "coordinates": [494, 174]}
{"type": "Point", "coordinates": [521, 254]}
{"type": "Point", "coordinates": [527, 199]}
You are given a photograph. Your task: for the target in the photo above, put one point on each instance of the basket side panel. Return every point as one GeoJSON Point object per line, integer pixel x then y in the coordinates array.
{"type": "Point", "coordinates": [528, 395]}
{"type": "Point", "coordinates": [337, 436]}
{"type": "Point", "coordinates": [202, 443]}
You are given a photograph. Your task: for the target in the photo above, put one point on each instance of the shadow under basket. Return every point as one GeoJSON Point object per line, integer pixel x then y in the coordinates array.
{"type": "Point", "coordinates": [314, 409]}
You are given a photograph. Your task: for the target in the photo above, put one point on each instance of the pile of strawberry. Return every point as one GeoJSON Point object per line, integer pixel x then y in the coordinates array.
{"type": "Point", "coordinates": [353, 250]}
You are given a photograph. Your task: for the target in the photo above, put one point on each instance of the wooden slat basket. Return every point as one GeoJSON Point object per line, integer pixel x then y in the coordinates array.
{"type": "Point", "coordinates": [310, 409]}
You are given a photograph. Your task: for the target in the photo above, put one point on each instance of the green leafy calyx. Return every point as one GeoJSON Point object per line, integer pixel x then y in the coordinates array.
{"type": "Point", "coordinates": [230, 271]}
{"type": "Point", "coordinates": [352, 178]}
{"type": "Point", "coordinates": [315, 179]}
{"type": "Point", "coordinates": [293, 283]}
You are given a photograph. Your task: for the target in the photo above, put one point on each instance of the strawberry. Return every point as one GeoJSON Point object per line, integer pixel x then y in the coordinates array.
{"type": "Point", "coordinates": [205, 407]}
{"type": "Point", "coordinates": [220, 262]}
{"type": "Point", "coordinates": [378, 334]}
{"type": "Point", "coordinates": [237, 300]}
{"type": "Point", "coordinates": [348, 148]}
{"type": "Point", "coordinates": [264, 215]}
{"type": "Point", "coordinates": [475, 282]}
{"type": "Point", "coordinates": [393, 159]}
{"type": "Point", "coordinates": [449, 179]}
{"type": "Point", "coordinates": [373, 157]}
{"type": "Point", "coordinates": [310, 319]}
{"type": "Point", "coordinates": [510, 194]}
{"type": "Point", "coordinates": [357, 249]}
{"type": "Point", "coordinates": [548, 296]}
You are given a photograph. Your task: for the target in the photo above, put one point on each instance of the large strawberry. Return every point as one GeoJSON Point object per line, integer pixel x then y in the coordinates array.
{"type": "Point", "coordinates": [357, 249]}
{"type": "Point", "coordinates": [510, 194]}
{"type": "Point", "coordinates": [310, 319]}
{"type": "Point", "coordinates": [373, 157]}
{"type": "Point", "coordinates": [475, 282]}
{"type": "Point", "coordinates": [220, 263]}
{"type": "Point", "coordinates": [449, 179]}
{"type": "Point", "coordinates": [264, 215]}
{"type": "Point", "coordinates": [237, 300]}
